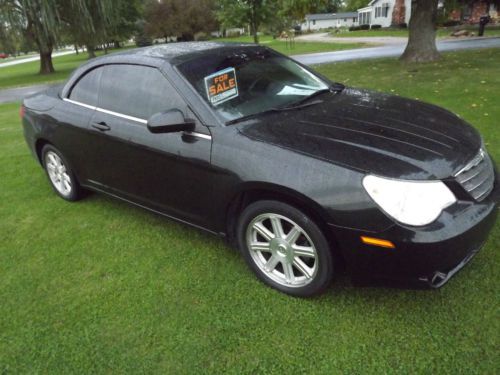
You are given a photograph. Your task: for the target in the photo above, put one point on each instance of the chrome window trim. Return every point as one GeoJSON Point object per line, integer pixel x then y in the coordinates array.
{"type": "Point", "coordinates": [78, 103]}
{"type": "Point", "coordinates": [132, 118]}
{"type": "Point", "coordinates": [127, 117]}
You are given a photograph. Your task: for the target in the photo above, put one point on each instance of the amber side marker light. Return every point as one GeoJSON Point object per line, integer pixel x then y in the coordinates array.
{"type": "Point", "coordinates": [21, 111]}
{"type": "Point", "coordinates": [377, 242]}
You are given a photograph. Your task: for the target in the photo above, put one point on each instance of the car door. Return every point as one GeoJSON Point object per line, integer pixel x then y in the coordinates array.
{"type": "Point", "coordinates": [73, 115]}
{"type": "Point", "coordinates": [166, 172]}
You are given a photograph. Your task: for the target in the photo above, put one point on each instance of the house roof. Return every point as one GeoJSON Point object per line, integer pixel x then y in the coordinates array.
{"type": "Point", "coordinates": [330, 16]}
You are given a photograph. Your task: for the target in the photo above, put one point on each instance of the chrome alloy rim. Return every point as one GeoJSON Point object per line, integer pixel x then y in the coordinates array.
{"type": "Point", "coordinates": [57, 173]}
{"type": "Point", "coordinates": [282, 250]}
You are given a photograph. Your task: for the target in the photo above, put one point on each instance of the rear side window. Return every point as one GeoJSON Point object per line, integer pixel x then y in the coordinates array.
{"type": "Point", "coordinates": [86, 90]}
{"type": "Point", "coordinates": [137, 91]}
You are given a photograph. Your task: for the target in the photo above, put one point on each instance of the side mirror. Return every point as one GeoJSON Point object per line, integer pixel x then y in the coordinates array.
{"type": "Point", "coordinates": [169, 122]}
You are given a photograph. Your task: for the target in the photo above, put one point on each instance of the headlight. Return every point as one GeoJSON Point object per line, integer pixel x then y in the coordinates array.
{"type": "Point", "coordinates": [409, 202]}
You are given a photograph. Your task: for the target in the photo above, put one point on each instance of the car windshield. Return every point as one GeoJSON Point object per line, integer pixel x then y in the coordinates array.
{"type": "Point", "coordinates": [250, 81]}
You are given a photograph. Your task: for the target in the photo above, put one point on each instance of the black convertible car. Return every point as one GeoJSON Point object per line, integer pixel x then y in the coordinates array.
{"type": "Point", "coordinates": [303, 174]}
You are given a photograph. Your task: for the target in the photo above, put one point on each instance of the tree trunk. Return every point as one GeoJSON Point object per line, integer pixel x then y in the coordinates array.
{"type": "Point", "coordinates": [421, 45]}
{"type": "Point", "coordinates": [46, 66]}
{"type": "Point", "coordinates": [90, 51]}
{"type": "Point", "coordinates": [253, 23]}
{"type": "Point", "coordinates": [76, 49]}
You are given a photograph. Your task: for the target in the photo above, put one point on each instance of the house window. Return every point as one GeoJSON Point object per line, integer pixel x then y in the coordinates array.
{"type": "Point", "coordinates": [385, 10]}
{"type": "Point", "coordinates": [314, 22]}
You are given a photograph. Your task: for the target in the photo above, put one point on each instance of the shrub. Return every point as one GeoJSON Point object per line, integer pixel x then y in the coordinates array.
{"type": "Point", "coordinates": [373, 27]}
{"type": "Point", "coordinates": [143, 40]}
{"type": "Point", "coordinates": [364, 27]}
{"type": "Point", "coordinates": [201, 36]}
{"type": "Point", "coordinates": [450, 23]}
{"type": "Point", "coordinates": [233, 34]}
{"type": "Point", "coordinates": [354, 28]}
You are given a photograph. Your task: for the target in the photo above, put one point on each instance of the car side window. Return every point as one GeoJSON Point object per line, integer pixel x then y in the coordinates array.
{"type": "Point", "coordinates": [86, 89]}
{"type": "Point", "coordinates": [138, 91]}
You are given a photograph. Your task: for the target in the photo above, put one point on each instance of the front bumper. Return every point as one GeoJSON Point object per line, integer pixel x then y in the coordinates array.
{"type": "Point", "coordinates": [427, 256]}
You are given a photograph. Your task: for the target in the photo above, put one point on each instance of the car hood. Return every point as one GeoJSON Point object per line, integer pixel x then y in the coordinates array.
{"type": "Point", "coordinates": [372, 132]}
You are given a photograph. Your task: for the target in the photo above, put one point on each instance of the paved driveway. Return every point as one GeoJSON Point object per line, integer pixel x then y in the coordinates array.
{"type": "Point", "coordinates": [376, 40]}
{"type": "Point", "coordinates": [392, 50]}
{"type": "Point", "coordinates": [18, 93]}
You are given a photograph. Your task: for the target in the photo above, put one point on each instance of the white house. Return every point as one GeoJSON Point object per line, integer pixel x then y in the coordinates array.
{"type": "Point", "coordinates": [329, 20]}
{"type": "Point", "coordinates": [385, 13]}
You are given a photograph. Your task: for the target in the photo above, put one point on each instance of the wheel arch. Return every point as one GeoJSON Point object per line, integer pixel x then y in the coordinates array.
{"type": "Point", "coordinates": [39, 144]}
{"type": "Point", "coordinates": [253, 192]}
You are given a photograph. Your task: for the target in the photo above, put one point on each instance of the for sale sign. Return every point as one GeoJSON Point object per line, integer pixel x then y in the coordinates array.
{"type": "Point", "coordinates": [221, 86]}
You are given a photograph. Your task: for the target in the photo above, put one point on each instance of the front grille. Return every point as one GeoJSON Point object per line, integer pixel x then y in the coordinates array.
{"type": "Point", "coordinates": [477, 177]}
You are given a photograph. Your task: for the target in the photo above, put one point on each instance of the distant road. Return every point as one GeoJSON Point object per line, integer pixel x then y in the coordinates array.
{"type": "Point", "coordinates": [33, 58]}
{"type": "Point", "coordinates": [392, 50]}
{"type": "Point", "coordinates": [16, 94]}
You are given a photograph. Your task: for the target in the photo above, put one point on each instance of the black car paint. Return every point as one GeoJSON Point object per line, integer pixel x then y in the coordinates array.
{"type": "Point", "coordinates": [314, 157]}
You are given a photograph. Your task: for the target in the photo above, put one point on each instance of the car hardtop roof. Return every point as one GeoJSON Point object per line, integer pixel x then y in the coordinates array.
{"type": "Point", "coordinates": [157, 55]}
{"type": "Point", "coordinates": [181, 51]}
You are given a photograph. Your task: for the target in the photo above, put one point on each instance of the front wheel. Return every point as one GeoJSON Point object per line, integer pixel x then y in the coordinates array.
{"type": "Point", "coordinates": [285, 248]}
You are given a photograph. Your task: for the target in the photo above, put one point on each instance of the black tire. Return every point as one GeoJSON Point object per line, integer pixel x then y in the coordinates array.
{"type": "Point", "coordinates": [75, 193]}
{"type": "Point", "coordinates": [290, 216]}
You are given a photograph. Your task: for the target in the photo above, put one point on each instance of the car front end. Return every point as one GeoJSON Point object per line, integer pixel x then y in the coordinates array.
{"type": "Point", "coordinates": [435, 233]}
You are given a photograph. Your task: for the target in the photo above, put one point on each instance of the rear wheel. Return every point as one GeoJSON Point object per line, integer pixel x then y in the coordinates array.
{"type": "Point", "coordinates": [285, 248]}
{"type": "Point", "coordinates": [59, 173]}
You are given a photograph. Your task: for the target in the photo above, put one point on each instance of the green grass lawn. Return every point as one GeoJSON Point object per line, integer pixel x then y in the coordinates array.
{"type": "Point", "coordinates": [99, 286]}
{"type": "Point", "coordinates": [442, 32]}
{"type": "Point", "coordinates": [296, 48]}
{"type": "Point", "coordinates": [27, 73]}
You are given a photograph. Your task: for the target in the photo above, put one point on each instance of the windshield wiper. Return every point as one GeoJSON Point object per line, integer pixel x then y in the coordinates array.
{"type": "Point", "coordinates": [271, 110]}
{"type": "Point", "coordinates": [252, 115]}
{"type": "Point", "coordinates": [335, 88]}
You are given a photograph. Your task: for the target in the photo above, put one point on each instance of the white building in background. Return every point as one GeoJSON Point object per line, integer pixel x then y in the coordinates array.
{"type": "Point", "coordinates": [329, 20]}
{"type": "Point", "coordinates": [385, 13]}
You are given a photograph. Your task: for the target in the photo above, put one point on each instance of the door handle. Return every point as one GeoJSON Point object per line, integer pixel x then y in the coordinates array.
{"type": "Point", "coordinates": [102, 126]}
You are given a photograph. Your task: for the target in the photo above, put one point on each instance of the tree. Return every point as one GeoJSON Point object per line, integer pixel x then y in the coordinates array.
{"type": "Point", "coordinates": [353, 5]}
{"type": "Point", "coordinates": [180, 18]}
{"type": "Point", "coordinates": [37, 20]}
{"type": "Point", "coordinates": [124, 21]}
{"type": "Point", "coordinates": [421, 45]}
{"type": "Point", "coordinates": [88, 22]}
{"type": "Point", "coordinates": [43, 21]}
{"type": "Point", "coordinates": [237, 13]}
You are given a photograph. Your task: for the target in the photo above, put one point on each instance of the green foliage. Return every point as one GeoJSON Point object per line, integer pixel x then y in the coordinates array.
{"type": "Point", "coordinates": [27, 73]}
{"type": "Point", "coordinates": [178, 18]}
{"type": "Point", "coordinates": [240, 13]}
{"type": "Point", "coordinates": [353, 5]}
